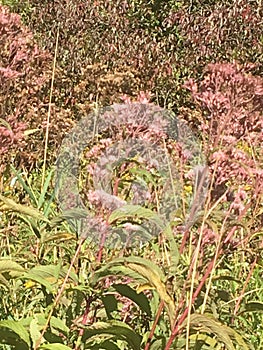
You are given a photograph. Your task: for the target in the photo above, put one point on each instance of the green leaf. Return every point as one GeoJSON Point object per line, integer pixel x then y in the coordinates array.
{"type": "Point", "coordinates": [5, 124]}
{"type": "Point", "coordinates": [146, 264]}
{"type": "Point", "coordinates": [32, 224]}
{"type": "Point", "coordinates": [47, 182]}
{"type": "Point", "coordinates": [208, 324]}
{"type": "Point", "coordinates": [55, 346]}
{"type": "Point", "coordinates": [58, 324]}
{"type": "Point", "coordinates": [118, 270]}
{"type": "Point", "coordinates": [106, 345]}
{"type": "Point", "coordinates": [253, 306]}
{"type": "Point", "coordinates": [118, 329]}
{"type": "Point", "coordinates": [139, 298]}
{"type": "Point", "coordinates": [60, 236]}
{"type": "Point", "coordinates": [198, 341]}
{"type": "Point", "coordinates": [158, 344]}
{"type": "Point", "coordinates": [110, 304]}
{"type": "Point", "coordinates": [24, 185]}
{"type": "Point", "coordinates": [12, 267]}
{"type": "Point", "coordinates": [15, 327]}
{"type": "Point", "coordinates": [31, 131]}
{"type": "Point", "coordinates": [40, 318]}
{"type": "Point", "coordinates": [174, 251]}
{"type": "Point", "coordinates": [77, 213]}
{"type": "Point", "coordinates": [4, 281]}
{"type": "Point", "coordinates": [146, 271]}
{"type": "Point", "coordinates": [135, 211]}
{"type": "Point", "coordinates": [8, 204]}
{"type": "Point", "coordinates": [226, 278]}
{"type": "Point", "coordinates": [35, 333]}
{"type": "Point", "coordinates": [155, 278]}
{"type": "Point", "coordinates": [223, 295]}
{"type": "Point", "coordinates": [44, 275]}
{"type": "Point", "coordinates": [143, 176]}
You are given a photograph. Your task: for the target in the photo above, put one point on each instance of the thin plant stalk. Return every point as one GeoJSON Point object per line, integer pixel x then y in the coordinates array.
{"type": "Point", "coordinates": [193, 295]}
{"type": "Point", "coordinates": [217, 254]}
{"type": "Point", "coordinates": [49, 113]}
{"type": "Point", "coordinates": [190, 301]}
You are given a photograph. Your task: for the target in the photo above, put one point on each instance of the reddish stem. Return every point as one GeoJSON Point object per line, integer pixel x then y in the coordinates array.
{"type": "Point", "coordinates": [102, 243]}
{"type": "Point", "coordinates": [84, 320]}
{"type": "Point", "coordinates": [177, 325]}
{"type": "Point", "coordinates": [159, 311]}
{"type": "Point", "coordinates": [185, 237]}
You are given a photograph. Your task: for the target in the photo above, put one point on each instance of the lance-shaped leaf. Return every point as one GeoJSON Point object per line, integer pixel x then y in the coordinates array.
{"type": "Point", "coordinates": [208, 324]}
{"type": "Point", "coordinates": [144, 272]}
{"type": "Point", "coordinates": [10, 205]}
{"type": "Point", "coordinates": [9, 327]}
{"type": "Point", "coordinates": [135, 211]}
{"type": "Point", "coordinates": [119, 330]}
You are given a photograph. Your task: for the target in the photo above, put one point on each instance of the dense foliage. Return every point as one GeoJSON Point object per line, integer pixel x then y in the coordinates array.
{"type": "Point", "coordinates": [196, 287]}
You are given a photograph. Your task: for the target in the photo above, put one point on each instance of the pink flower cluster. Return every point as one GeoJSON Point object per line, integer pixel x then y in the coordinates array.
{"type": "Point", "coordinates": [21, 77]}
{"type": "Point", "coordinates": [11, 131]}
{"type": "Point", "coordinates": [102, 200]}
{"type": "Point", "coordinates": [231, 100]}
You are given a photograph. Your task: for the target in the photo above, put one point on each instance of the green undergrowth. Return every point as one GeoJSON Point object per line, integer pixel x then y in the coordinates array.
{"type": "Point", "coordinates": [133, 298]}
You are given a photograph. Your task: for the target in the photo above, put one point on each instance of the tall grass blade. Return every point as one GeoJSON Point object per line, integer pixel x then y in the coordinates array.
{"type": "Point", "coordinates": [28, 190]}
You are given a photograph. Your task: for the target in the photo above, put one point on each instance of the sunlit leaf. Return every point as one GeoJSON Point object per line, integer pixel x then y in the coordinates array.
{"type": "Point", "coordinates": [12, 267]}
{"type": "Point", "coordinates": [10, 205]}
{"type": "Point", "coordinates": [54, 346]}
{"type": "Point", "coordinates": [35, 333]}
{"type": "Point", "coordinates": [145, 272]}
{"type": "Point", "coordinates": [25, 186]}
{"type": "Point", "coordinates": [155, 278]}
{"type": "Point", "coordinates": [135, 211]}
{"type": "Point", "coordinates": [31, 131]}
{"type": "Point", "coordinates": [43, 193]}
{"type": "Point", "coordinates": [143, 287]}
{"type": "Point", "coordinates": [228, 336]}
{"type": "Point", "coordinates": [44, 275]}
{"type": "Point", "coordinates": [59, 324]}
{"type": "Point", "coordinates": [5, 124]}
{"type": "Point", "coordinates": [198, 341]}
{"type": "Point", "coordinates": [60, 236]}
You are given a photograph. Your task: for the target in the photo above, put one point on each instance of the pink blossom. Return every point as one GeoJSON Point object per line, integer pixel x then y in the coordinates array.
{"type": "Point", "coordinates": [9, 73]}
{"type": "Point", "coordinates": [101, 199]}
